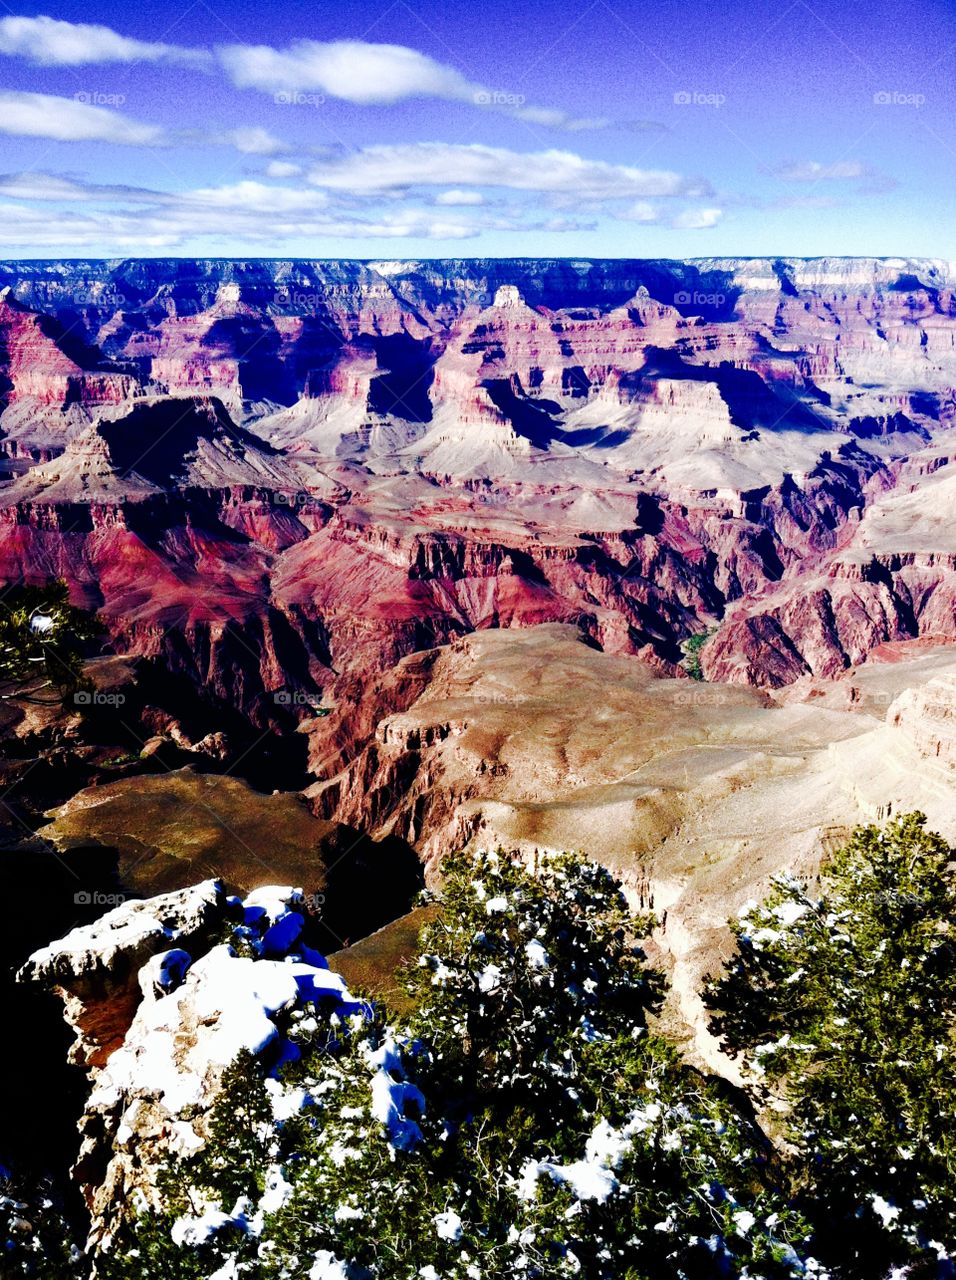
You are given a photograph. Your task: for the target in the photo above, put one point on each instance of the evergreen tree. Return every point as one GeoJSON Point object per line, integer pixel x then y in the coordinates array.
{"type": "Point", "coordinates": [842, 1003]}
{"type": "Point", "coordinates": [35, 1240]}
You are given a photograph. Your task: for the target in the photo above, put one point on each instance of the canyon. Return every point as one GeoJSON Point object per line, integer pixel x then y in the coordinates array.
{"type": "Point", "coordinates": [395, 558]}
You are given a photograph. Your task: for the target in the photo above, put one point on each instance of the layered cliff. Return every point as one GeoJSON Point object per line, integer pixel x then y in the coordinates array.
{"type": "Point", "coordinates": [284, 477]}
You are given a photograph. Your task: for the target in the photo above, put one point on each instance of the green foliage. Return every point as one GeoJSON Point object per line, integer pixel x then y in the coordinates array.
{"type": "Point", "coordinates": [843, 1005]}
{"type": "Point", "coordinates": [240, 1131]}
{"type": "Point", "coordinates": [35, 1241]}
{"type": "Point", "coordinates": [41, 642]}
{"type": "Point", "coordinates": [692, 649]}
{"type": "Point", "coordinates": [525, 1123]}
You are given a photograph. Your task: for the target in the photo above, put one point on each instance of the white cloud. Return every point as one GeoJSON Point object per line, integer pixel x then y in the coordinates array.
{"type": "Point", "coordinates": [640, 211]}
{"type": "Point", "coordinates": [193, 220]}
{"type": "Point", "coordinates": [34, 185]}
{"type": "Point", "coordinates": [283, 169]}
{"type": "Point", "coordinates": [41, 115]}
{"type": "Point", "coordinates": [379, 168]}
{"type": "Point", "coordinates": [376, 75]}
{"type": "Point", "coordinates": [456, 197]}
{"type": "Point", "coordinates": [50, 214]}
{"type": "Point", "coordinates": [49, 42]}
{"type": "Point", "coordinates": [813, 171]}
{"type": "Point", "coordinates": [357, 71]}
{"type": "Point", "coordinates": [44, 115]}
{"type": "Point", "coordinates": [252, 140]}
{"type": "Point", "coordinates": [696, 219]}
{"type": "Point", "coordinates": [255, 197]}
{"type": "Point", "coordinates": [354, 70]}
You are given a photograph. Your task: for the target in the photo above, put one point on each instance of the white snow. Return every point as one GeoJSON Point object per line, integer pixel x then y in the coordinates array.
{"type": "Point", "coordinates": [489, 978]}
{"type": "Point", "coordinates": [538, 957]}
{"type": "Point", "coordinates": [197, 1230]}
{"type": "Point", "coordinates": [448, 1225]}
{"type": "Point", "coordinates": [587, 1179]}
{"type": "Point", "coordinates": [163, 973]}
{"type": "Point", "coordinates": [495, 906]}
{"type": "Point", "coordinates": [226, 1003]}
{"type": "Point", "coordinates": [326, 1266]}
{"type": "Point", "coordinates": [391, 1094]}
{"type": "Point", "coordinates": [227, 1271]}
{"type": "Point", "coordinates": [789, 913]}
{"type": "Point", "coordinates": [886, 1212]}
{"type": "Point", "coordinates": [277, 1191]}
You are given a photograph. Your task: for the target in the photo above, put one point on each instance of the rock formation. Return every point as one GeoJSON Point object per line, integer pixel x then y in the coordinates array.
{"type": "Point", "coordinates": [157, 1023]}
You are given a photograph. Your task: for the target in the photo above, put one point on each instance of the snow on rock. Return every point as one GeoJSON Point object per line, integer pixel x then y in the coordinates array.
{"type": "Point", "coordinates": [96, 967]}
{"type": "Point", "coordinates": [187, 1012]}
{"type": "Point", "coordinates": [164, 973]}
{"type": "Point", "coordinates": [177, 1044]}
{"type": "Point", "coordinates": [274, 906]}
{"type": "Point", "coordinates": [124, 938]}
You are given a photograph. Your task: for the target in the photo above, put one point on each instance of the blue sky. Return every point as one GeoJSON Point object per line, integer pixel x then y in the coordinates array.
{"type": "Point", "coordinates": [515, 127]}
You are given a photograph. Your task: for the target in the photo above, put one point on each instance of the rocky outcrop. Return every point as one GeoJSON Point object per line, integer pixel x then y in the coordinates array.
{"type": "Point", "coordinates": [96, 968]}
{"type": "Point", "coordinates": [927, 717]}
{"type": "Point", "coordinates": [177, 1015]}
{"type": "Point", "coordinates": [693, 793]}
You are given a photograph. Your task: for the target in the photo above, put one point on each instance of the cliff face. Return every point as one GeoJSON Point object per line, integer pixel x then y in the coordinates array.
{"type": "Point", "coordinates": [283, 477]}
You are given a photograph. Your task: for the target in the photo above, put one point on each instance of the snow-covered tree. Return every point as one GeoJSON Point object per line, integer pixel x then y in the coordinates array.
{"type": "Point", "coordinates": [842, 1002]}
{"type": "Point", "coordinates": [522, 1123]}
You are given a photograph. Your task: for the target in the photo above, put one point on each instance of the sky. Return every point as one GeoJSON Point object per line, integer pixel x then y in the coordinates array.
{"type": "Point", "coordinates": [682, 128]}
